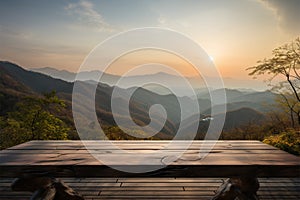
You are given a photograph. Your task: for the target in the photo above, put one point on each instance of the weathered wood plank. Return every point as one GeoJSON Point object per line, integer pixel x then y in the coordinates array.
{"type": "Point", "coordinates": [271, 190]}
{"type": "Point", "coordinates": [116, 158]}
{"type": "Point", "coordinates": [188, 151]}
{"type": "Point", "coordinates": [70, 158]}
{"type": "Point", "coordinates": [159, 193]}
{"type": "Point", "coordinates": [137, 144]}
{"type": "Point", "coordinates": [186, 184]}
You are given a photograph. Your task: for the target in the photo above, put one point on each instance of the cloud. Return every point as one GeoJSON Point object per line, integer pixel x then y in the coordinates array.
{"type": "Point", "coordinates": [286, 11]}
{"type": "Point", "coordinates": [87, 15]}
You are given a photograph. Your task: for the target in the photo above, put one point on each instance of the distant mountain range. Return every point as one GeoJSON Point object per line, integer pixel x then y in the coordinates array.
{"type": "Point", "coordinates": [244, 106]}
{"type": "Point", "coordinates": [234, 119]}
{"type": "Point", "coordinates": [129, 81]}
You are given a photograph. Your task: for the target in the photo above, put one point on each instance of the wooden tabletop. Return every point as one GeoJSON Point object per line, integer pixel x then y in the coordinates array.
{"type": "Point", "coordinates": [72, 159]}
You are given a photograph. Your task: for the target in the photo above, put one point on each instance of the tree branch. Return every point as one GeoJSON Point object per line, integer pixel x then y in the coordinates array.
{"type": "Point", "coordinates": [293, 88]}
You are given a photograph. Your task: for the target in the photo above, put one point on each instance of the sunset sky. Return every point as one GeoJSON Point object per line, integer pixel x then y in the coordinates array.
{"type": "Point", "coordinates": [60, 34]}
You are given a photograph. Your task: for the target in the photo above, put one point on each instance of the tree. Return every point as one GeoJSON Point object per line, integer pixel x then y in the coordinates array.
{"type": "Point", "coordinates": [285, 61]}
{"type": "Point", "coordinates": [288, 103]}
{"type": "Point", "coordinates": [33, 119]}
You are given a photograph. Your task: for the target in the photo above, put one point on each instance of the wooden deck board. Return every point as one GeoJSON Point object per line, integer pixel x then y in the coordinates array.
{"type": "Point", "coordinates": [169, 188]}
{"type": "Point", "coordinates": [71, 159]}
{"type": "Point", "coordinates": [81, 171]}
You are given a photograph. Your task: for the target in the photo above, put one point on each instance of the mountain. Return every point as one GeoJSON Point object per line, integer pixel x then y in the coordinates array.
{"type": "Point", "coordinates": [234, 95]}
{"type": "Point", "coordinates": [259, 97]}
{"type": "Point", "coordinates": [9, 84]}
{"type": "Point", "coordinates": [236, 99]}
{"type": "Point", "coordinates": [71, 76]}
{"type": "Point", "coordinates": [11, 91]}
{"type": "Point", "coordinates": [236, 106]}
{"type": "Point", "coordinates": [55, 73]}
{"type": "Point", "coordinates": [243, 106]}
{"type": "Point", "coordinates": [140, 103]}
{"type": "Point", "coordinates": [218, 94]}
{"type": "Point", "coordinates": [234, 119]}
{"type": "Point", "coordinates": [37, 82]}
{"type": "Point", "coordinates": [169, 80]}
{"type": "Point", "coordinates": [130, 81]}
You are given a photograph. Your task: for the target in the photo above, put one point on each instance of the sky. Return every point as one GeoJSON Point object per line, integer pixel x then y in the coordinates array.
{"type": "Point", "coordinates": [60, 34]}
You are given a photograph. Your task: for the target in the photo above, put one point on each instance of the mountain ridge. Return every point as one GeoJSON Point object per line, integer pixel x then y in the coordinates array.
{"type": "Point", "coordinates": [35, 83]}
{"type": "Point", "coordinates": [111, 78]}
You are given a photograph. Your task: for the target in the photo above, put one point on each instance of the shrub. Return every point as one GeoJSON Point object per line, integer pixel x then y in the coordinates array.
{"type": "Point", "coordinates": [287, 141]}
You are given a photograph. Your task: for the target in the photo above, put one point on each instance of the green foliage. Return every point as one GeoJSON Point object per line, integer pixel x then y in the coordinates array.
{"type": "Point", "coordinates": [33, 119]}
{"type": "Point", "coordinates": [288, 141]}
{"type": "Point", "coordinates": [285, 62]}
{"type": "Point", "coordinates": [114, 133]}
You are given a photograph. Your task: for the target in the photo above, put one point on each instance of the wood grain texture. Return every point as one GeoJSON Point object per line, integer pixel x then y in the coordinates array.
{"type": "Point", "coordinates": [162, 188]}
{"type": "Point", "coordinates": [72, 159]}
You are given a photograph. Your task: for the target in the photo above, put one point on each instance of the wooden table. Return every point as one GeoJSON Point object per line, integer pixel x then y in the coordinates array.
{"type": "Point", "coordinates": [242, 161]}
